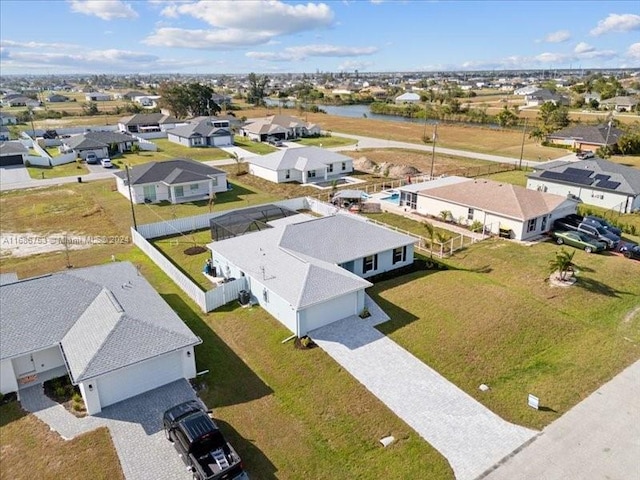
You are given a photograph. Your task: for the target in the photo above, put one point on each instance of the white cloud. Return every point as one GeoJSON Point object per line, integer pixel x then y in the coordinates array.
{"type": "Point", "coordinates": [617, 23]}
{"type": "Point", "coordinates": [354, 65]}
{"type": "Point", "coordinates": [599, 54]}
{"type": "Point", "coordinates": [39, 45]}
{"type": "Point", "coordinates": [237, 24]}
{"type": "Point", "coordinates": [303, 52]}
{"type": "Point", "coordinates": [583, 47]}
{"type": "Point", "coordinates": [104, 9]}
{"type": "Point", "coordinates": [547, 58]}
{"type": "Point", "coordinates": [558, 37]}
{"type": "Point", "coordinates": [634, 51]}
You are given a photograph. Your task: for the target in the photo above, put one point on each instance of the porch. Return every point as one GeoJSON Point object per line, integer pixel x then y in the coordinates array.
{"type": "Point", "coordinates": [38, 378]}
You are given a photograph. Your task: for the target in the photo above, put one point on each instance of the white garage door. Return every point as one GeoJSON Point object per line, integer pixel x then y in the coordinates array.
{"type": "Point", "coordinates": [328, 312]}
{"type": "Point", "coordinates": [140, 378]}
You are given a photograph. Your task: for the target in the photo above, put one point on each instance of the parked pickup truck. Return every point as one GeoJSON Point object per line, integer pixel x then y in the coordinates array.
{"type": "Point", "coordinates": [201, 444]}
{"type": "Point", "coordinates": [576, 223]}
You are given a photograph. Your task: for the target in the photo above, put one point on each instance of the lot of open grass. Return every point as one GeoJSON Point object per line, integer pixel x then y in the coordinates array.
{"type": "Point", "coordinates": [515, 177]}
{"type": "Point", "coordinates": [327, 141]}
{"type": "Point", "coordinates": [66, 170]}
{"type": "Point", "coordinates": [28, 449]}
{"type": "Point", "coordinates": [259, 148]}
{"type": "Point", "coordinates": [173, 150]}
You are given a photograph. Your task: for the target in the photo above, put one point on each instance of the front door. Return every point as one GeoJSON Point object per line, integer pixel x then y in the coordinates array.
{"type": "Point", "coordinates": [150, 193]}
{"type": "Point", "coordinates": [24, 365]}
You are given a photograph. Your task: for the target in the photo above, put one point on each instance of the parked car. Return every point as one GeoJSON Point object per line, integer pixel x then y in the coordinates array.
{"type": "Point", "coordinates": [585, 155]}
{"type": "Point", "coordinates": [201, 444]}
{"type": "Point", "coordinates": [629, 250]}
{"type": "Point", "coordinates": [592, 219]}
{"type": "Point", "coordinates": [578, 240]}
{"type": "Point", "coordinates": [576, 223]}
{"type": "Point", "coordinates": [276, 142]}
{"type": "Point", "coordinates": [106, 163]}
{"type": "Point", "coordinates": [91, 158]}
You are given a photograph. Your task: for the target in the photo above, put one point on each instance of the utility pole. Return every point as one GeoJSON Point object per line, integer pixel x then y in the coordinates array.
{"type": "Point", "coordinates": [133, 212]}
{"type": "Point", "coordinates": [433, 150]}
{"type": "Point", "coordinates": [524, 132]}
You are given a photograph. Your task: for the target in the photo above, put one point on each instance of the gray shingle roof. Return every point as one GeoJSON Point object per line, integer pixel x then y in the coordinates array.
{"type": "Point", "coordinates": [589, 134]}
{"type": "Point", "coordinates": [299, 159]}
{"type": "Point", "coordinates": [203, 128]}
{"type": "Point", "coordinates": [177, 171]}
{"type": "Point", "coordinates": [97, 139]}
{"type": "Point", "coordinates": [146, 119]}
{"type": "Point", "coordinates": [105, 317]}
{"type": "Point", "coordinates": [12, 148]}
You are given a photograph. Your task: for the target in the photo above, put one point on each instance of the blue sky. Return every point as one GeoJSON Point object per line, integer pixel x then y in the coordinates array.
{"type": "Point", "coordinates": [190, 36]}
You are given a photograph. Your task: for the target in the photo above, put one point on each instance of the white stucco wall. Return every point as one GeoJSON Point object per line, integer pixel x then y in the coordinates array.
{"type": "Point", "coordinates": [265, 173]}
{"type": "Point", "coordinates": [588, 195]}
{"type": "Point", "coordinates": [47, 359]}
{"type": "Point", "coordinates": [8, 382]}
{"type": "Point", "coordinates": [91, 396]}
{"type": "Point", "coordinates": [385, 263]}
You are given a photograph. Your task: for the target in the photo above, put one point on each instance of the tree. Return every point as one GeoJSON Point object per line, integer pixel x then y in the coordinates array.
{"type": "Point", "coordinates": [553, 117]}
{"type": "Point", "coordinates": [506, 117]}
{"type": "Point", "coordinates": [562, 263]}
{"type": "Point", "coordinates": [257, 85]}
{"type": "Point", "coordinates": [431, 232]}
{"type": "Point", "coordinates": [90, 108]}
{"type": "Point", "coordinates": [537, 134]}
{"type": "Point", "coordinates": [629, 143]}
{"type": "Point", "coordinates": [192, 99]}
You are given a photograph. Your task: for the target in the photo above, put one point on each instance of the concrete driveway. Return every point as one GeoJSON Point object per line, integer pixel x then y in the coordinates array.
{"type": "Point", "coordinates": [597, 439]}
{"type": "Point", "coordinates": [14, 174]}
{"type": "Point", "coordinates": [135, 425]}
{"type": "Point", "coordinates": [470, 436]}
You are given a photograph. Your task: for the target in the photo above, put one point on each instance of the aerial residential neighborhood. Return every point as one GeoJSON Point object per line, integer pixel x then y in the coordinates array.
{"type": "Point", "coordinates": [277, 240]}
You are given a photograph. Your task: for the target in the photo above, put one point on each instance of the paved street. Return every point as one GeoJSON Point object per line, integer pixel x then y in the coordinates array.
{"type": "Point", "coordinates": [135, 425]}
{"type": "Point", "coordinates": [470, 436]}
{"type": "Point", "coordinates": [597, 439]}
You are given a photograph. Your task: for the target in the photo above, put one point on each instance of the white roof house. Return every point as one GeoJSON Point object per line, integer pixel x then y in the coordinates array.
{"type": "Point", "coordinates": [408, 97]}
{"type": "Point", "coordinates": [282, 127]}
{"type": "Point", "coordinates": [308, 272]}
{"type": "Point", "coordinates": [105, 327]}
{"type": "Point", "coordinates": [304, 165]}
{"type": "Point", "coordinates": [526, 213]}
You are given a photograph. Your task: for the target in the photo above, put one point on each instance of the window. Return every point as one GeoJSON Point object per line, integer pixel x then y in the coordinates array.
{"type": "Point", "coordinates": [369, 263]}
{"type": "Point", "coordinates": [399, 254]}
{"type": "Point", "coordinates": [287, 174]}
{"type": "Point", "coordinates": [311, 173]}
{"type": "Point", "coordinates": [214, 181]}
{"type": "Point", "coordinates": [330, 168]}
{"type": "Point", "coordinates": [180, 191]}
{"type": "Point", "coordinates": [544, 223]}
{"type": "Point", "coordinates": [532, 224]}
{"type": "Point", "coordinates": [470, 214]}
{"type": "Point", "coordinates": [194, 187]}
{"type": "Point", "coordinates": [344, 165]}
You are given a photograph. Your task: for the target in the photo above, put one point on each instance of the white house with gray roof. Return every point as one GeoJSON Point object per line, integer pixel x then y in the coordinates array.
{"type": "Point", "coordinates": [594, 181]}
{"type": "Point", "coordinates": [176, 181]}
{"type": "Point", "coordinates": [204, 132]}
{"type": "Point", "coordinates": [100, 143]}
{"type": "Point", "coordinates": [105, 327]}
{"type": "Point", "coordinates": [308, 272]}
{"type": "Point", "coordinates": [303, 165]}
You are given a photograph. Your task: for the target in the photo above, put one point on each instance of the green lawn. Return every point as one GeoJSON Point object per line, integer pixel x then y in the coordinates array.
{"type": "Point", "coordinates": [259, 148]}
{"type": "Point", "coordinates": [515, 177]}
{"type": "Point", "coordinates": [169, 149]}
{"type": "Point", "coordinates": [327, 142]}
{"type": "Point", "coordinates": [66, 170]}
{"type": "Point", "coordinates": [408, 225]}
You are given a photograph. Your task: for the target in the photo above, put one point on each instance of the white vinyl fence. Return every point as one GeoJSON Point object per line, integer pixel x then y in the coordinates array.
{"type": "Point", "coordinates": [37, 161]}
{"type": "Point", "coordinates": [62, 159]}
{"type": "Point", "coordinates": [146, 145]}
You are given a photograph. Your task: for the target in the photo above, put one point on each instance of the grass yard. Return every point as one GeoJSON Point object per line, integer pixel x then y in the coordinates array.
{"type": "Point", "coordinates": [494, 319]}
{"type": "Point", "coordinates": [169, 149]}
{"type": "Point", "coordinates": [515, 177]}
{"type": "Point", "coordinates": [66, 170]}
{"type": "Point", "coordinates": [259, 148]}
{"type": "Point", "coordinates": [327, 142]}
{"type": "Point", "coordinates": [408, 225]}
{"type": "Point", "coordinates": [28, 449]}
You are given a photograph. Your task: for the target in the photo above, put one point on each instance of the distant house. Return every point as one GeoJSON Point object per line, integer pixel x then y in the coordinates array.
{"type": "Point", "coordinates": [4, 134]}
{"type": "Point", "coordinates": [526, 213]}
{"type": "Point", "coordinates": [101, 143]}
{"type": "Point", "coordinates": [97, 97]}
{"type": "Point", "coordinates": [586, 137]}
{"type": "Point", "coordinates": [147, 123]}
{"type": "Point", "coordinates": [309, 272]}
{"type": "Point", "coordinates": [56, 98]}
{"type": "Point", "coordinates": [283, 127]}
{"type": "Point", "coordinates": [8, 119]}
{"type": "Point", "coordinates": [526, 90]}
{"type": "Point", "coordinates": [222, 100]}
{"type": "Point", "coordinates": [304, 165]}
{"type": "Point", "coordinates": [20, 101]}
{"type": "Point", "coordinates": [12, 153]}
{"type": "Point", "coordinates": [205, 132]}
{"type": "Point", "coordinates": [542, 96]}
{"type": "Point", "coordinates": [408, 97]}
{"type": "Point", "coordinates": [176, 181]}
{"type": "Point", "coordinates": [594, 181]}
{"type": "Point", "coordinates": [104, 327]}
{"type": "Point", "coordinates": [147, 101]}
{"type": "Point", "coordinates": [620, 104]}
{"type": "Point", "coordinates": [130, 95]}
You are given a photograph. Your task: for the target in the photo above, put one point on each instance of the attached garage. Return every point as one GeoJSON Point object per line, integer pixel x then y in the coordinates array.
{"type": "Point", "coordinates": [12, 153]}
{"type": "Point", "coordinates": [8, 160]}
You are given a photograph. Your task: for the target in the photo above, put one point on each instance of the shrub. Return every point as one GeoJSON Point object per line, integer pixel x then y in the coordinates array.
{"type": "Point", "coordinates": [77, 398]}
{"type": "Point", "coordinates": [476, 226]}
{"type": "Point", "coordinates": [59, 391]}
{"type": "Point", "coordinates": [365, 313]}
{"type": "Point", "coordinates": [78, 407]}
{"type": "Point", "coordinates": [27, 163]}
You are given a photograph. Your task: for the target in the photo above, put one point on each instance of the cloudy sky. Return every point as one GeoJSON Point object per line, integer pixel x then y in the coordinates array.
{"type": "Point", "coordinates": [203, 36]}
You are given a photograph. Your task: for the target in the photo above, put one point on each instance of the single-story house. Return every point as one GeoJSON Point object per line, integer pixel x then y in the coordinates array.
{"type": "Point", "coordinates": [8, 119]}
{"type": "Point", "coordinates": [221, 100]}
{"type": "Point", "coordinates": [12, 153]}
{"type": "Point", "coordinates": [20, 101]}
{"type": "Point", "coordinates": [97, 97]}
{"type": "Point", "coordinates": [205, 132]}
{"type": "Point", "coordinates": [130, 95]}
{"type": "Point", "coordinates": [4, 134]}
{"type": "Point", "coordinates": [408, 97]}
{"type": "Point", "coordinates": [57, 98]}
{"type": "Point", "coordinates": [308, 272]}
{"type": "Point", "coordinates": [586, 137]}
{"type": "Point", "coordinates": [542, 96]}
{"type": "Point", "coordinates": [304, 165]}
{"type": "Point", "coordinates": [620, 104]}
{"type": "Point", "coordinates": [148, 101]}
{"type": "Point", "coordinates": [177, 181]}
{"type": "Point", "coordinates": [526, 213]}
{"type": "Point", "coordinates": [283, 127]}
{"type": "Point", "coordinates": [105, 327]}
{"type": "Point", "coordinates": [594, 181]}
{"type": "Point", "coordinates": [100, 143]}
{"type": "Point", "coordinates": [147, 122]}
{"type": "Point", "coordinates": [526, 90]}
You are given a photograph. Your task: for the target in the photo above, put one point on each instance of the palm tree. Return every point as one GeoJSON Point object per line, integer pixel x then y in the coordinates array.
{"type": "Point", "coordinates": [212, 201]}
{"type": "Point", "coordinates": [562, 263]}
{"type": "Point", "coordinates": [430, 233]}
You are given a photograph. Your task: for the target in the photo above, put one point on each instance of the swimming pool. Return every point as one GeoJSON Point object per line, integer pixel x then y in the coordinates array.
{"type": "Point", "coordinates": [393, 198]}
